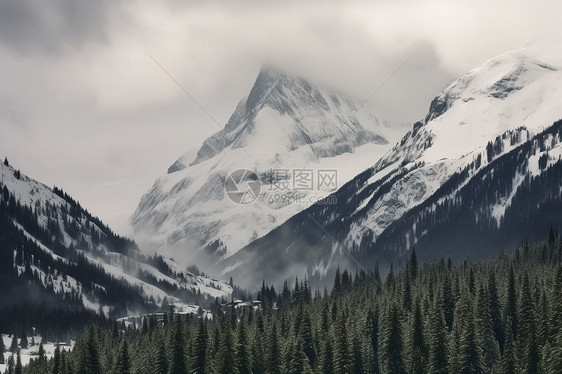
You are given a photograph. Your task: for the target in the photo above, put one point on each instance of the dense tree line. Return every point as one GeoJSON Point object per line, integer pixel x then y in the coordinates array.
{"type": "Point", "coordinates": [496, 316]}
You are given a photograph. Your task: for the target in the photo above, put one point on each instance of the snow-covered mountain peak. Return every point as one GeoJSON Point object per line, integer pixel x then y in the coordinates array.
{"type": "Point", "coordinates": [499, 78]}
{"type": "Point", "coordinates": [286, 123]}
{"type": "Point", "coordinates": [283, 113]}
{"type": "Point", "coordinates": [518, 88]}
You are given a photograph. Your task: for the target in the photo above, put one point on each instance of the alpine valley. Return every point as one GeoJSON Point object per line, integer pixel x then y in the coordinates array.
{"type": "Point", "coordinates": [479, 175]}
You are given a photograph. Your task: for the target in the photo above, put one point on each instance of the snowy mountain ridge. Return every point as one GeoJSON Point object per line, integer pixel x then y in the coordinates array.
{"type": "Point", "coordinates": [512, 90]}
{"type": "Point", "coordinates": [285, 123]}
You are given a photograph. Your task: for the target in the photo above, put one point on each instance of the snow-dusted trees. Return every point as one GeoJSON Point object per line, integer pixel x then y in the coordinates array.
{"type": "Point", "coordinates": [497, 316]}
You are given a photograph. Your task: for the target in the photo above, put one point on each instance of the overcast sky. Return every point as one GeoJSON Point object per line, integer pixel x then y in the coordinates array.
{"type": "Point", "coordinates": [84, 107]}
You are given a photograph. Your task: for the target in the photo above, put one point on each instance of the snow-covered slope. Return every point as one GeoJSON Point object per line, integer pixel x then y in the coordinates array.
{"type": "Point", "coordinates": [517, 89]}
{"type": "Point", "coordinates": [284, 124]}
{"type": "Point", "coordinates": [476, 133]}
{"type": "Point", "coordinates": [47, 237]}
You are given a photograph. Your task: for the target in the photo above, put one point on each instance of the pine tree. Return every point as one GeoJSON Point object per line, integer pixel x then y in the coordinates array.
{"type": "Point", "coordinates": [532, 356]}
{"type": "Point", "coordinates": [336, 290]}
{"type": "Point", "coordinates": [495, 310]}
{"type": "Point", "coordinates": [122, 364]}
{"type": "Point", "coordinates": [465, 355]}
{"type": "Point", "coordinates": [471, 281]}
{"type": "Point", "coordinates": [226, 360]}
{"type": "Point", "coordinates": [508, 360]}
{"type": "Point", "coordinates": [377, 274]}
{"type": "Point", "coordinates": [356, 355]}
{"type": "Point", "coordinates": [418, 349]}
{"type": "Point", "coordinates": [407, 295]}
{"type": "Point", "coordinates": [392, 343]}
{"type": "Point", "coordinates": [19, 368]}
{"type": "Point", "coordinates": [555, 358]}
{"type": "Point", "coordinates": [556, 305]}
{"type": "Point", "coordinates": [342, 361]}
{"type": "Point", "coordinates": [544, 325]}
{"type": "Point", "coordinates": [200, 349]}
{"type": "Point", "coordinates": [42, 356]}
{"type": "Point", "coordinates": [296, 360]}
{"type": "Point", "coordinates": [274, 354]}
{"type": "Point", "coordinates": [448, 303]}
{"type": "Point", "coordinates": [160, 363]}
{"type": "Point", "coordinates": [177, 363]}
{"type": "Point", "coordinates": [328, 356]}
{"type": "Point", "coordinates": [89, 356]}
{"type": "Point", "coordinates": [389, 284]}
{"type": "Point", "coordinates": [307, 339]}
{"type": "Point", "coordinates": [243, 359]}
{"type": "Point", "coordinates": [66, 364]}
{"type": "Point", "coordinates": [258, 361]}
{"type": "Point", "coordinates": [511, 304]}
{"type": "Point", "coordinates": [11, 365]}
{"type": "Point", "coordinates": [325, 321]}
{"type": "Point", "coordinates": [526, 313]}
{"type": "Point", "coordinates": [373, 335]}
{"type": "Point", "coordinates": [470, 360]}
{"type": "Point", "coordinates": [56, 362]}
{"type": "Point", "coordinates": [485, 327]}
{"type": "Point", "coordinates": [23, 341]}
{"type": "Point", "coordinates": [14, 345]}
{"type": "Point", "coordinates": [438, 360]}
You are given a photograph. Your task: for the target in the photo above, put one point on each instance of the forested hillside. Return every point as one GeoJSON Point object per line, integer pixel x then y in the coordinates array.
{"type": "Point", "coordinates": [60, 265]}
{"type": "Point", "coordinates": [496, 316]}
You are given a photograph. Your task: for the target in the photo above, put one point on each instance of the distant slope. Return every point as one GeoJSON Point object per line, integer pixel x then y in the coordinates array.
{"type": "Point", "coordinates": [53, 251]}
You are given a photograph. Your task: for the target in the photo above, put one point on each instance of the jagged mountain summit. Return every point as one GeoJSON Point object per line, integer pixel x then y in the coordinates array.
{"type": "Point", "coordinates": [284, 124]}
{"type": "Point", "coordinates": [477, 176]}
{"type": "Point", "coordinates": [55, 253]}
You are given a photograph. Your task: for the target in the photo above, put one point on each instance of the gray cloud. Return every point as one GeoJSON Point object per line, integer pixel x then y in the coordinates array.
{"type": "Point", "coordinates": [29, 26]}
{"type": "Point", "coordinates": [82, 105]}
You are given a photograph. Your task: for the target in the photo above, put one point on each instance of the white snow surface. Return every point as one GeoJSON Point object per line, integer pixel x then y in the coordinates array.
{"type": "Point", "coordinates": [284, 124]}
{"type": "Point", "coordinates": [522, 88]}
